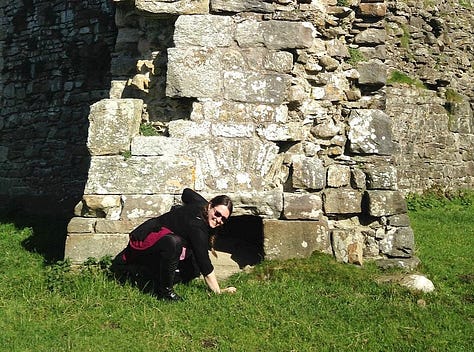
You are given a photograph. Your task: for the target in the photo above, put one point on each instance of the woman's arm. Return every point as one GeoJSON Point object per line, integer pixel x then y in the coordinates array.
{"type": "Point", "coordinates": [212, 283]}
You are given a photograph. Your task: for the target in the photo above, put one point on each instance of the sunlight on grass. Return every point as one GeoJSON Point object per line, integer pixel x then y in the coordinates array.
{"type": "Point", "coordinates": [313, 304]}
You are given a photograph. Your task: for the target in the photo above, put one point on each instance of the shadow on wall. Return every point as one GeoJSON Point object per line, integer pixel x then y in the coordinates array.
{"type": "Point", "coordinates": [243, 239]}
{"type": "Point", "coordinates": [44, 110]}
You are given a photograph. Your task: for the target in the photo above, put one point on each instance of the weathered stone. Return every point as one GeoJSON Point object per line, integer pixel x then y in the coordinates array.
{"type": "Point", "coordinates": [116, 227]}
{"type": "Point", "coordinates": [182, 129]}
{"type": "Point", "coordinates": [146, 206]}
{"type": "Point", "coordinates": [382, 203]}
{"type": "Point", "coordinates": [81, 225]}
{"type": "Point", "coordinates": [265, 204]}
{"type": "Point", "coordinates": [376, 9]}
{"type": "Point", "coordinates": [108, 206]}
{"type": "Point", "coordinates": [194, 72]}
{"type": "Point", "coordinates": [237, 112]}
{"type": "Point", "coordinates": [248, 34]}
{"type": "Point", "coordinates": [301, 206]}
{"type": "Point", "coordinates": [254, 87]}
{"type": "Point", "coordinates": [113, 124]}
{"type": "Point", "coordinates": [338, 175]}
{"type": "Point", "coordinates": [282, 132]}
{"type": "Point", "coordinates": [135, 175]}
{"type": "Point", "coordinates": [403, 263]}
{"type": "Point", "coordinates": [280, 61]}
{"type": "Point", "coordinates": [399, 220]}
{"type": "Point", "coordinates": [372, 73]}
{"type": "Point", "coordinates": [158, 145]}
{"type": "Point", "coordinates": [80, 246]}
{"type": "Point", "coordinates": [342, 201]}
{"type": "Point", "coordinates": [358, 179]}
{"type": "Point", "coordinates": [204, 30]}
{"type": "Point", "coordinates": [417, 283]}
{"type": "Point", "coordinates": [370, 132]}
{"type": "Point", "coordinates": [287, 35]}
{"type": "Point", "coordinates": [294, 239]}
{"type": "Point", "coordinates": [308, 173]}
{"type": "Point", "coordinates": [371, 36]}
{"type": "Point", "coordinates": [381, 177]}
{"type": "Point", "coordinates": [347, 245]}
{"type": "Point", "coordinates": [175, 7]}
{"type": "Point", "coordinates": [398, 242]}
{"type": "Point", "coordinates": [241, 6]}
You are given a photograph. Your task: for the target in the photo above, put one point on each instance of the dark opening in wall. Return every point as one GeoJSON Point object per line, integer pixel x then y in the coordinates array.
{"type": "Point", "coordinates": [242, 237]}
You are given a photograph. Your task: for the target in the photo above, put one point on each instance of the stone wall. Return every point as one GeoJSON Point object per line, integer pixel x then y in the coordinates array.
{"type": "Point", "coordinates": [54, 63]}
{"type": "Point", "coordinates": [433, 122]}
{"type": "Point", "coordinates": [267, 102]}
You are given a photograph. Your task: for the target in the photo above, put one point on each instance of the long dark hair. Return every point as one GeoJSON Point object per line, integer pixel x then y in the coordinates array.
{"type": "Point", "coordinates": [218, 200]}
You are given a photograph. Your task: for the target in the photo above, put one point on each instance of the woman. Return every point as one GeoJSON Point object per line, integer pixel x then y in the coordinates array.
{"type": "Point", "coordinates": [179, 239]}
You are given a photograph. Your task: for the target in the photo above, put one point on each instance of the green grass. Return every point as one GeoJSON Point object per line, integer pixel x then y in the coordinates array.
{"type": "Point", "coordinates": [313, 304]}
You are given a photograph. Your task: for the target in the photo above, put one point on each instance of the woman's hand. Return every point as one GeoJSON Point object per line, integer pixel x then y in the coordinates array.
{"type": "Point", "coordinates": [229, 290]}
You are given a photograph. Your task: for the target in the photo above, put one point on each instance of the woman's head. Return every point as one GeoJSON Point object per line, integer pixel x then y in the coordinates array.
{"type": "Point", "coordinates": [219, 210]}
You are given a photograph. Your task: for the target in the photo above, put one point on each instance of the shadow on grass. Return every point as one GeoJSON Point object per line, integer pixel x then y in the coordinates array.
{"type": "Point", "coordinates": [48, 234]}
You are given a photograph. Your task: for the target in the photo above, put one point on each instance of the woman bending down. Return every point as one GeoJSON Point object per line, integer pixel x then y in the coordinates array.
{"type": "Point", "coordinates": [179, 239]}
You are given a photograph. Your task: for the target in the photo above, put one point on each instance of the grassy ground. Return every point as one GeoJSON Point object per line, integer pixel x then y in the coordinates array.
{"type": "Point", "coordinates": [302, 305]}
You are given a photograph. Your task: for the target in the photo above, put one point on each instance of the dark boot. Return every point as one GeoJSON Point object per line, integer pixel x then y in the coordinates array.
{"type": "Point", "coordinates": [165, 284]}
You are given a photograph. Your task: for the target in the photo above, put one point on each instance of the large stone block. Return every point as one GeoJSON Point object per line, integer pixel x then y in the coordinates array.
{"type": "Point", "coordinates": [302, 206]}
{"type": "Point", "coordinates": [99, 206]}
{"type": "Point", "coordinates": [139, 175]}
{"type": "Point", "coordinates": [348, 246]}
{"type": "Point", "coordinates": [265, 204]}
{"type": "Point", "coordinates": [255, 87]}
{"type": "Point", "coordinates": [241, 6]}
{"type": "Point", "coordinates": [112, 125]}
{"type": "Point", "coordinates": [174, 7]}
{"type": "Point", "coordinates": [237, 112]}
{"type": "Point", "coordinates": [398, 242]}
{"type": "Point", "coordinates": [372, 73]}
{"type": "Point", "coordinates": [294, 239]}
{"type": "Point", "coordinates": [147, 206]}
{"type": "Point", "coordinates": [80, 246]}
{"type": "Point", "coordinates": [287, 35]}
{"type": "Point", "coordinates": [194, 72]}
{"type": "Point", "coordinates": [342, 201]}
{"type": "Point", "coordinates": [204, 30]}
{"type": "Point", "coordinates": [158, 146]}
{"type": "Point", "coordinates": [383, 203]}
{"type": "Point", "coordinates": [370, 132]}
{"type": "Point", "coordinates": [290, 131]}
{"type": "Point", "coordinates": [308, 173]}
{"type": "Point", "coordinates": [382, 177]}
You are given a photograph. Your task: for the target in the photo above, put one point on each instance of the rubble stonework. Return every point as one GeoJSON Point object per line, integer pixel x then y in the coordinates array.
{"type": "Point", "coordinates": [278, 117]}
{"type": "Point", "coordinates": [284, 105]}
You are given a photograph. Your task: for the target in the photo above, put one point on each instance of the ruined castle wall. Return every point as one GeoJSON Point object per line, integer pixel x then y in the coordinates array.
{"type": "Point", "coordinates": [432, 43]}
{"type": "Point", "coordinates": [268, 102]}
{"type": "Point", "coordinates": [54, 63]}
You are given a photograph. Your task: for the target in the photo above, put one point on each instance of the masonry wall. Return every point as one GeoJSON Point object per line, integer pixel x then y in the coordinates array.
{"type": "Point", "coordinates": [268, 102]}
{"type": "Point", "coordinates": [54, 63]}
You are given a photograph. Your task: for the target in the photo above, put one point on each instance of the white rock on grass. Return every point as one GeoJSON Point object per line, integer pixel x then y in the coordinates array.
{"type": "Point", "coordinates": [417, 283]}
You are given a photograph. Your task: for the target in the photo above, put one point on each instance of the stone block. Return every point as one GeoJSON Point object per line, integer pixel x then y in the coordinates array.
{"type": "Point", "coordinates": [175, 7]}
{"type": "Point", "coordinates": [342, 201]}
{"type": "Point", "coordinates": [294, 239]}
{"type": "Point", "coordinates": [372, 73]}
{"type": "Point", "coordinates": [248, 34]}
{"type": "Point", "coordinates": [139, 175]}
{"type": "Point", "coordinates": [158, 146]}
{"type": "Point", "coordinates": [371, 37]}
{"type": "Point", "coordinates": [185, 129]}
{"type": "Point", "coordinates": [116, 226]}
{"type": "Point", "coordinates": [398, 243]}
{"type": "Point", "coordinates": [100, 206]}
{"type": "Point", "coordinates": [347, 246]}
{"type": "Point", "coordinates": [383, 203]}
{"type": "Point", "coordinates": [204, 30]}
{"type": "Point", "coordinates": [338, 176]}
{"type": "Point", "coordinates": [146, 206]}
{"type": "Point", "coordinates": [81, 225]}
{"type": "Point", "coordinates": [302, 206]}
{"type": "Point", "coordinates": [399, 220]}
{"type": "Point", "coordinates": [265, 204]}
{"type": "Point", "coordinates": [255, 87]}
{"type": "Point", "coordinates": [80, 246]}
{"type": "Point", "coordinates": [237, 112]}
{"type": "Point", "coordinates": [194, 72]}
{"type": "Point", "coordinates": [370, 132]}
{"type": "Point", "coordinates": [308, 173]}
{"type": "Point", "coordinates": [280, 35]}
{"type": "Point", "coordinates": [378, 9]}
{"type": "Point", "coordinates": [241, 6]}
{"type": "Point", "coordinates": [279, 61]}
{"type": "Point", "coordinates": [381, 177]}
{"type": "Point", "coordinates": [112, 125]}
{"type": "Point", "coordinates": [291, 131]}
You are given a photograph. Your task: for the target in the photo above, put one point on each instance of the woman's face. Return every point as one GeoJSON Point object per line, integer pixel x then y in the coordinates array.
{"type": "Point", "coordinates": [217, 216]}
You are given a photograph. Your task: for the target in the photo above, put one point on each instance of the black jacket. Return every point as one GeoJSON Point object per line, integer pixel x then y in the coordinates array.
{"type": "Point", "coordinates": [188, 222]}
